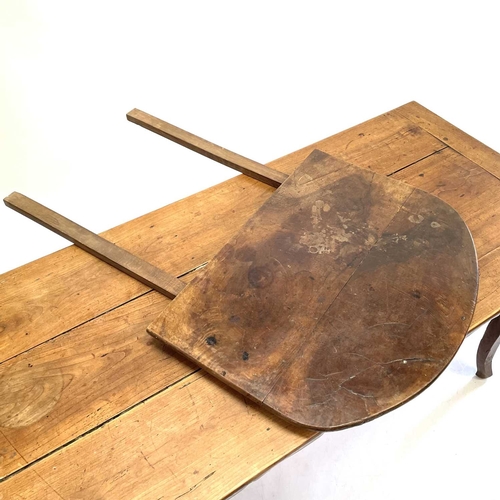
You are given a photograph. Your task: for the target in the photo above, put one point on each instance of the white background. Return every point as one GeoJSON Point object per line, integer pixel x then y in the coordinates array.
{"type": "Point", "coordinates": [262, 79]}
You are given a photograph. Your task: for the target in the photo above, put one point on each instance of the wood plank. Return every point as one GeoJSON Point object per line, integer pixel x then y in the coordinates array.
{"type": "Point", "coordinates": [219, 154]}
{"type": "Point", "coordinates": [465, 144]}
{"type": "Point", "coordinates": [49, 296]}
{"type": "Point", "coordinates": [475, 194]}
{"type": "Point", "coordinates": [353, 270]}
{"type": "Point", "coordinates": [198, 439]}
{"type": "Point", "coordinates": [71, 286]}
{"type": "Point", "coordinates": [352, 142]}
{"type": "Point", "coordinates": [10, 459]}
{"type": "Point", "coordinates": [383, 144]}
{"type": "Point", "coordinates": [33, 486]}
{"type": "Point", "coordinates": [97, 246]}
{"type": "Point", "coordinates": [63, 388]}
{"type": "Point", "coordinates": [175, 238]}
{"type": "Point", "coordinates": [488, 304]}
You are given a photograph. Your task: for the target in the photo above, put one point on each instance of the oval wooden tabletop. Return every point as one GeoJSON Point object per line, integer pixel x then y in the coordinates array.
{"type": "Point", "coordinates": [344, 296]}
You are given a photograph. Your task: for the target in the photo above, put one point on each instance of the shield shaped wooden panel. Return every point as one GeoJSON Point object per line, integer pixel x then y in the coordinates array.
{"type": "Point", "coordinates": [344, 296]}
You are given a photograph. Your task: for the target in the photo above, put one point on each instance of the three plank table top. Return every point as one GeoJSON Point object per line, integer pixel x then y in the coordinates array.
{"type": "Point", "coordinates": [94, 407]}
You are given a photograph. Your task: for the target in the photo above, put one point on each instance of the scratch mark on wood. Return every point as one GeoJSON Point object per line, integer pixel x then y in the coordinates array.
{"type": "Point", "coordinates": [196, 485]}
{"type": "Point", "coordinates": [146, 458]}
{"type": "Point", "coordinates": [48, 484]}
{"type": "Point", "coordinates": [388, 323]}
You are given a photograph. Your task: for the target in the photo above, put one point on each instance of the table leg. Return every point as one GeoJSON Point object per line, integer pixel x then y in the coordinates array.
{"type": "Point", "coordinates": [487, 348]}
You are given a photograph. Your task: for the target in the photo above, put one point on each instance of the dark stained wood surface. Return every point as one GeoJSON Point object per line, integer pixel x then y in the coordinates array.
{"type": "Point", "coordinates": [475, 194]}
{"type": "Point", "coordinates": [343, 297]}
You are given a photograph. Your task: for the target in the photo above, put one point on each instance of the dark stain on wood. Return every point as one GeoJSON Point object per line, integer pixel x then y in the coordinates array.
{"type": "Point", "coordinates": [349, 290]}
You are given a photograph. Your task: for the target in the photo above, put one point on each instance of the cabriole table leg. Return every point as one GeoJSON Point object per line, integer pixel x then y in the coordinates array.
{"type": "Point", "coordinates": [487, 348]}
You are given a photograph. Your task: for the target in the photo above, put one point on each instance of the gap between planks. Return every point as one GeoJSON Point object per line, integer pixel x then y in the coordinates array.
{"type": "Point", "coordinates": [287, 438]}
{"type": "Point", "coordinates": [458, 140]}
{"type": "Point", "coordinates": [417, 161]}
{"type": "Point", "coordinates": [102, 424]}
{"type": "Point", "coordinates": [30, 462]}
{"type": "Point", "coordinates": [114, 308]}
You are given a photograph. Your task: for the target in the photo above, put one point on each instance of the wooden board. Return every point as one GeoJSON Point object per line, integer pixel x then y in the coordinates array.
{"type": "Point", "coordinates": [344, 296]}
{"type": "Point", "coordinates": [49, 303]}
{"type": "Point", "coordinates": [463, 143]}
{"type": "Point", "coordinates": [48, 396]}
{"type": "Point", "coordinates": [251, 168]}
{"type": "Point", "coordinates": [49, 298]}
{"type": "Point", "coordinates": [475, 194]}
{"type": "Point", "coordinates": [96, 245]}
{"type": "Point", "coordinates": [195, 440]}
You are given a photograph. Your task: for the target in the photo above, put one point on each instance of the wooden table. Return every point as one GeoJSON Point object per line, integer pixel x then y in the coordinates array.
{"type": "Point", "coordinates": [92, 407]}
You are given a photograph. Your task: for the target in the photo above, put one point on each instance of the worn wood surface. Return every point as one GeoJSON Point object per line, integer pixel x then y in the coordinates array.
{"type": "Point", "coordinates": [97, 246]}
{"type": "Point", "coordinates": [176, 238]}
{"type": "Point", "coordinates": [48, 395]}
{"type": "Point", "coordinates": [385, 144]}
{"type": "Point", "coordinates": [372, 281]}
{"type": "Point", "coordinates": [48, 298]}
{"type": "Point", "coordinates": [195, 439]}
{"type": "Point", "coordinates": [461, 142]}
{"type": "Point", "coordinates": [475, 194]}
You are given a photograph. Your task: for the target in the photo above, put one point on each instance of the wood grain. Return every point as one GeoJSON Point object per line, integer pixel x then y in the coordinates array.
{"type": "Point", "coordinates": [372, 281]}
{"type": "Point", "coordinates": [244, 165]}
{"type": "Point", "coordinates": [475, 194]}
{"type": "Point", "coordinates": [30, 486]}
{"type": "Point", "coordinates": [384, 144]}
{"type": "Point", "coordinates": [74, 383]}
{"type": "Point", "coordinates": [10, 459]}
{"type": "Point", "coordinates": [175, 238]}
{"type": "Point", "coordinates": [55, 294]}
{"type": "Point", "coordinates": [71, 287]}
{"type": "Point", "coordinates": [198, 439]}
{"type": "Point", "coordinates": [489, 287]}
{"type": "Point", "coordinates": [465, 144]}
{"type": "Point", "coordinates": [97, 246]}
